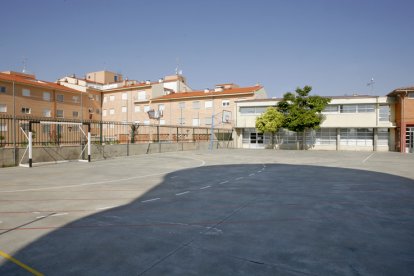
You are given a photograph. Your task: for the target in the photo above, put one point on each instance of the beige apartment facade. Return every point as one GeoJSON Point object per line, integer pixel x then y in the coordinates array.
{"type": "Point", "coordinates": [355, 123]}
{"type": "Point", "coordinates": [24, 95]}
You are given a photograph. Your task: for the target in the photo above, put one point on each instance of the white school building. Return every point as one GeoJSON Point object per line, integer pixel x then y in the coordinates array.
{"type": "Point", "coordinates": [357, 123]}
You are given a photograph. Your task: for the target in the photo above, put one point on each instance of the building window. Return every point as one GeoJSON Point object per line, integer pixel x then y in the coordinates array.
{"type": "Point", "coordinates": [350, 108]}
{"type": "Point", "coordinates": [196, 122]}
{"type": "Point", "coordinates": [47, 113]}
{"type": "Point", "coordinates": [357, 108]}
{"type": "Point", "coordinates": [225, 103]}
{"type": "Point", "coordinates": [104, 112]}
{"type": "Point", "coordinates": [124, 109]}
{"type": "Point", "coordinates": [2, 89]}
{"type": "Point", "coordinates": [252, 110]}
{"type": "Point", "coordinates": [75, 99]}
{"type": "Point", "coordinates": [331, 109]}
{"type": "Point", "coordinates": [357, 136]}
{"type": "Point", "coordinates": [208, 104]}
{"type": "Point", "coordinates": [3, 127]}
{"type": "Point", "coordinates": [196, 105]}
{"type": "Point", "coordinates": [111, 111]}
{"type": "Point", "coordinates": [75, 114]}
{"type": "Point", "coordinates": [59, 98]}
{"type": "Point", "coordinates": [141, 96]}
{"type": "Point", "coordinates": [125, 96]}
{"type": "Point", "coordinates": [59, 113]}
{"type": "Point", "coordinates": [146, 122]}
{"type": "Point", "coordinates": [207, 121]}
{"type": "Point", "coordinates": [384, 113]}
{"type": "Point", "coordinates": [410, 95]}
{"type": "Point", "coordinates": [26, 92]}
{"type": "Point", "coordinates": [146, 108]}
{"type": "Point", "coordinates": [3, 108]}
{"type": "Point", "coordinates": [115, 78]}
{"type": "Point", "coordinates": [161, 107]}
{"type": "Point", "coordinates": [105, 98]}
{"type": "Point", "coordinates": [162, 122]}
{"type": "Point", "coordinates": [46, 96]}
{"type": "Point", "coordinates": [383, 134]}
{"type": "Point", "coordinates": [112, 98]}
{"type": "Point", "coordinates": [26, 110]}
{"type": "Point", "coordinates": [366, 108]}
{"type": "Point", "coordinates": [323, 136]}
{"type": "Point", "coordinates": [137, 108]}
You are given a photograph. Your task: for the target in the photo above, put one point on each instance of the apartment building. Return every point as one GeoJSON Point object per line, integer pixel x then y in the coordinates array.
{"type": "Point", "coordinates": [204, 108]}
{"type": "Point", "coordinates": [170, 97]}
{"type": "Point", "coordinates": [404, 118]}
{"type": "Point", "coordinates": [358, 123]}
{"type": "Point", "coordinates": [23, 95]}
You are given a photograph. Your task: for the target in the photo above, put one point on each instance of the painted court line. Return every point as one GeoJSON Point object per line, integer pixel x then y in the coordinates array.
{"type": "Point", "coordinates": [108, 181]}
{"type": "Point", "coordinates": [22, 265]}
{"type": "Point", "coordinates": [251, 174]}
{"type": "Point", "coordinates": [107, 207]}
{"type": "Point", "coordinates": [183, 193]}
{"type": "Point", "coordinates": [149, 200]}
{"type": "Point", "coordinates": [59, 214]}
{"type": "Point", "coordinates": [366, 159]}
{"type": "Point", "coordinates": [238, 178]}
{"type": "Point", "coordinates": [205, 187]}
{"type": "Point", "coordinates": [224, 182]}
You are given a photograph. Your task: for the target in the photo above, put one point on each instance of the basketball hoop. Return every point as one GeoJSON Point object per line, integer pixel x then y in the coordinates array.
{"type": "Point", "coordinates": [226, 118]}
{"type": "Point", "coordinates": [154, 114]}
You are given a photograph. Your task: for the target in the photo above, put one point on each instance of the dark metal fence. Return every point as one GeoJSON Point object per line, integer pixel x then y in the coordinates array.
{"type": "Point", "coordinates": [53, 132]}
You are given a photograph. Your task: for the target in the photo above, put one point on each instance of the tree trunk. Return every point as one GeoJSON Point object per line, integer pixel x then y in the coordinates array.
{"type": "Point", "coordinates": [304, 139]}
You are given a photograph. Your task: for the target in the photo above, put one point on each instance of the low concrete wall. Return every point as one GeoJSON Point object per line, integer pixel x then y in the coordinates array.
{"type": "Point", "coordinates": [99, 152]}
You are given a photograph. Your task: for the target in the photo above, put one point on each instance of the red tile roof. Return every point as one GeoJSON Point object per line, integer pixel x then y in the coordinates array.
{"type": "Point", "coordinates": [202, 94]}
{"type": "Point", "coordinates": [36, 83]}
{"type": "Point", "coordinates": [400, 90]}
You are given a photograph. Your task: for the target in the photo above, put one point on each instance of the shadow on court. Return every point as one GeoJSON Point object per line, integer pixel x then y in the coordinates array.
{"type": "Point", "coordinates": [272, 219]}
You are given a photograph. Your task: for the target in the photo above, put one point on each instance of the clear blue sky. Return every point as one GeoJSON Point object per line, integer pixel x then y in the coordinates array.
{"type": "Point", "coordinates": [336, 46]}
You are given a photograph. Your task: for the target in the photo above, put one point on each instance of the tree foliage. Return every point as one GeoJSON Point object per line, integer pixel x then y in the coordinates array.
{"type": "Point", "coordinates": [270, 121]}
{"type": "Point", "coordinates": [302, 111]}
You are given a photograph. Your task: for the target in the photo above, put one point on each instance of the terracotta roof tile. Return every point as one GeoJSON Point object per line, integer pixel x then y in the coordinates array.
{"type": "Point", "coordinates": [34, 82]}
{"type": "Point", "coordinates": [202, 94]}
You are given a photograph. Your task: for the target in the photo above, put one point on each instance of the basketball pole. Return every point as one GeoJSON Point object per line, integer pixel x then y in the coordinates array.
{"type": "Point", "coordinates": [30, 145]}
{"type": "Point", "coordinates": [89, 142]}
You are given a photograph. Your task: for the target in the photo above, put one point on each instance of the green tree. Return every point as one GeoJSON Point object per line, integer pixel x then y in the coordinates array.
{"type": "Point", "coordinates": [302, 111]}
{"type": "Point", "coordinates": [270, 121]}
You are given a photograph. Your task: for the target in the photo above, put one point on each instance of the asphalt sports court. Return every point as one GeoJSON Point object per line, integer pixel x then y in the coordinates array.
{"type": "Point", "coordinates": [221, 212]}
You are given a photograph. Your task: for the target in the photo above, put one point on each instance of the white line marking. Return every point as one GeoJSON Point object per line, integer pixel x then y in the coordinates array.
{"type": "Point", "coordinates": [205, 187]}
{"type": "Point", "coordinates": [183, 193]}
{"type": "Point", "coordinates": [149, 200]}
{"type": "Point", "coordinates": [107, 207]}
{"type": "Point", "coordinates": [251, 174]}
{"type": "Point", "coordinates": [39, 217]}
{"type": "Point", "coordinates": [59, 214]}
{"type": "Point", "coordinates": [224, 182]}
{"type": "Point", "coordinates": [259, 171]}
{"type": "Point", "coordinates": [366, 159]}
{"type": "Point", "coordinates": [238, 178]}
{"type": "Point", "coordinates": [174, 176]}
{"type": "Point", "coordinates": [107, 181]}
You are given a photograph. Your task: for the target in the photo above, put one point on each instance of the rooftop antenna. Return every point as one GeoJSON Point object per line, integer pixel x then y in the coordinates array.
{"type": "Point", "coordinates": [177, 72]}
{"type": "Point", "coordinates": [371, 85]}
{"type": "Point", "coordinates": [24, 65]}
